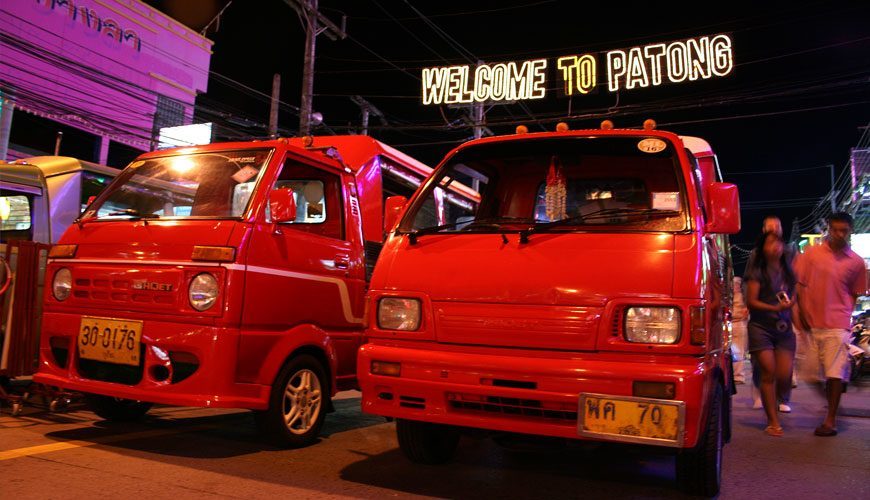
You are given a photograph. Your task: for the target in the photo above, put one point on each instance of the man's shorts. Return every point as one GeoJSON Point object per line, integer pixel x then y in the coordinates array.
{"type": "Point", "coordinates": [827, 354]}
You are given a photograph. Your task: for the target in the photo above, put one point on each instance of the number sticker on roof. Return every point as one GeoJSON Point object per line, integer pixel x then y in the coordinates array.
{"type": "Point", "coordinates": [652, 145]}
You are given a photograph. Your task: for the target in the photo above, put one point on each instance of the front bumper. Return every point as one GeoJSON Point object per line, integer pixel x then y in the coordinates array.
{"type": "Point", "coordinates": [171, 351]}
{"type": "Point", "coordinates": [522, 392]}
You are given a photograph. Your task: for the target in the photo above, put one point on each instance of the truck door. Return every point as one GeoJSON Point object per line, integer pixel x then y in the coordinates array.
{"type": "Point", "coordinates": [305, 272]}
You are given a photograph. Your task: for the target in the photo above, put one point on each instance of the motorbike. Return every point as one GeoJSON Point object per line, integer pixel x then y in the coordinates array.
{"type": "Point", "coordinates": [859, 349]}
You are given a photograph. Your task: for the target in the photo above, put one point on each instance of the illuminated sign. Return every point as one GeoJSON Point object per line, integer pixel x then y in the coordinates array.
{"type": "Point", "coordinates": [498, 82]}
{"type": "Point", "coordinates": [185, 135]}
{"type": "Point", "coordinates": [644, 66]}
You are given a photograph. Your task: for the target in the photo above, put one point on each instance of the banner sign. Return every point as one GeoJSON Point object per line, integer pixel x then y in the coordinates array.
{"type": "Point", "coordinates": [645, 66]}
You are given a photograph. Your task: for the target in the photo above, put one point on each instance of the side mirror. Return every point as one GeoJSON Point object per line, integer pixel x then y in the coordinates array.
{"type": "Point", "coordinates": [723, 208]}
{"type": "Point", "coordinates": [393, 208]}
{"type": "Point", "coordinates": [282, 204]}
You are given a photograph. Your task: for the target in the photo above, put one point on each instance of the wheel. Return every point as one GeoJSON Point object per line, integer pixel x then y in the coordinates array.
{"type": "Point", "coordinates": [116, 409]}
{"type": "Point", "coordinates": [296, 406]}
{"type": "Point", "coordinates": [699, 471]}
{"type": "Point", "coordinates": [426, 443]}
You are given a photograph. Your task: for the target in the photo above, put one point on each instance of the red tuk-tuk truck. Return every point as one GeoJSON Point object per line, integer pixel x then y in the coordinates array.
{"type": "Point", "coordinates": [584, 295]}
{"type": "Point", "coordinates": [225, 275]}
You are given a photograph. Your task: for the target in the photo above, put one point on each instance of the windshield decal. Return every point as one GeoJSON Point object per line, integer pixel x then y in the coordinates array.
{"type": "Point", "coordinates": [652, 145]}
{"type": "Point", "coordinates": [244, 174]}
{"type": "Point", "coordinates": [666, 201]}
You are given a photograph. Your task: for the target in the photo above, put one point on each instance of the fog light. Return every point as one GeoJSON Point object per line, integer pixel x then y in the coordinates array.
{"type": "Point", "coordinates": [657, 390]}
{"type": "Point", "coordinates": [386, 368]}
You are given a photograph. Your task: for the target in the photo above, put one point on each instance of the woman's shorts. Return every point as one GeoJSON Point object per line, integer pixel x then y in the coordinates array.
{"type": "Point", "coordinates": [762, 338]}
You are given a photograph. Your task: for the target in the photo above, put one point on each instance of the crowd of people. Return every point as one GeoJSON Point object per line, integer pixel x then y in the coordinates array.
{"type": "Point", "coordinates": [792, 305]}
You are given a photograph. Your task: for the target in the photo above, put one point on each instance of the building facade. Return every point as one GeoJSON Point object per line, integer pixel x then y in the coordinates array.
{"type": "Point", "coordinates": [94, 79]}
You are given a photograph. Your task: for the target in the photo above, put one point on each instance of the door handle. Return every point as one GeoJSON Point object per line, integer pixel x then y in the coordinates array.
{"type": "Point", "coordinates": [342, 261]}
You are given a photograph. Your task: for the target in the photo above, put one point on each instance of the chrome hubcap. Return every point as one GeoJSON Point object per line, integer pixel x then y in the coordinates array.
{"type": "Point", "coordinates": [302, 401]}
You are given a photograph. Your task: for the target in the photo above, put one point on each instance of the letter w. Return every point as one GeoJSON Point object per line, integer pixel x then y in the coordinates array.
{"type": "Point", "coordinates": [434, 83]}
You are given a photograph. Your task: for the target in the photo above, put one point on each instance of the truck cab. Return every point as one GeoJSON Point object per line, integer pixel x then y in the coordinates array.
{"type": "Point", "coordinates": [225, 275]}
{"type": "Point", "coordinates": [584, 294]}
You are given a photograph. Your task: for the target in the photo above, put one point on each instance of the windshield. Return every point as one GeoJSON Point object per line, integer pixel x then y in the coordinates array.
{"type": "Point", "coordinates": [555, 184]}
{"type": "Point", "coordinates": [211, 185]}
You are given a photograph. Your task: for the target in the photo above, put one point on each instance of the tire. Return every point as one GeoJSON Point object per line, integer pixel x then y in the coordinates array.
{"type": "Point", "coordinates": [426, 443]}
{"type": "Point", "coordinates": [699, 471]}
{"type": "Point", "coordinates": [297, 406]}
{"type": "Point", "coordinates": [116, 409]}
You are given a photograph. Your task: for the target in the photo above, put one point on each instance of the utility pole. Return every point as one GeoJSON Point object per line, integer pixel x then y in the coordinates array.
{"type": "Point", "coordinates": [367, 108]}
{"type": "Point", "coordinates": [833, 191]}
{"type": "Point", "coordinates": [273, 108]}
{"type": "Point", "coordinates": [7, 107]}
{"type": "Point", "coordinates": [312, 19]}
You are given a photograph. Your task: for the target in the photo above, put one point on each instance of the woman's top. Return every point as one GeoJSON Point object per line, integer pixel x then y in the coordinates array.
{"type": "Point", "coordinates": [769, 320]}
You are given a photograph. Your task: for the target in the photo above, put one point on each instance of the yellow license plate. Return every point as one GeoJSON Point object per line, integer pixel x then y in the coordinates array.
{"type": "Point", "coordinates": [631, 419]}
{"type": "Point", "coordinates": [110, 340]}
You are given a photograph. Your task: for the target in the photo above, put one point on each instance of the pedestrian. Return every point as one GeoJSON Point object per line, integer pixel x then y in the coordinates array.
{"type": "Point", "coordinates": [739, 320]}
{"type": "Point", "coordinates": [831, 277]}
{"type": "Point", "coordinates": [772, 223]}
{"type": "Point", "coordinates": [770, 284]}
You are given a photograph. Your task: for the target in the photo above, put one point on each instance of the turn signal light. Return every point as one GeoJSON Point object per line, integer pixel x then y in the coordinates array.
{"type": "Point", "coordinates": [698, 333]}
{"type": "Point", "coordinates": [386, 368]}
{"type": "Point", "coordinates": [214, 254]}
{"type": "Point", "coordinates": [62, 252]}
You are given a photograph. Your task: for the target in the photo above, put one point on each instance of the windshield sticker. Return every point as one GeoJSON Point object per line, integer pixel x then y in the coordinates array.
{"type": "Point", "coordinates": [243, 159]}
{"type": "Point", "coordinates": [652, 145]}
{"type": "Point", "coordinates": [244, 174]}
{"type": "Point", "coordinates": [666, 201]}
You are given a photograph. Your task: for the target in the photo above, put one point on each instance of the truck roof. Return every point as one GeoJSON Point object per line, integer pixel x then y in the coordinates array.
{"type": "Point", "coordinates": [357, 150]}
{"type": "Point", "coordinates": [20, 175]}
{"type": "Point", "coordinates": [51, 166]}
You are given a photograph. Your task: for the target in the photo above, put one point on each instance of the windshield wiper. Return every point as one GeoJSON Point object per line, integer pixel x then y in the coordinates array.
{"type": "Point", "coordinates": [133, 214]}
{"type": "Point", "coordinates": [597, 215]}
{"type": "Point", "coordinates": [475, 224]}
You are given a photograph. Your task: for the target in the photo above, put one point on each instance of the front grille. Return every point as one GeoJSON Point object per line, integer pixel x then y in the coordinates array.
{"type": "Point", "coordinates": [111, 372]}
{"type": "Point", "coordinates": [513, 407]}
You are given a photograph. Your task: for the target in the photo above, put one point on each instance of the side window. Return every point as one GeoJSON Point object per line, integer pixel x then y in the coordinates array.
{"type": "Point", "coordinates": [696, 180]}
{"type": "Point", "coordinates": [319, 203]}
{"type": "Point", "coordinates": [16, 222]}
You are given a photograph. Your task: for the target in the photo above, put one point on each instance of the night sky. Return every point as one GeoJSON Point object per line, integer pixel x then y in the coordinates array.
{"type": "Point", "coordinates": [797, 98]}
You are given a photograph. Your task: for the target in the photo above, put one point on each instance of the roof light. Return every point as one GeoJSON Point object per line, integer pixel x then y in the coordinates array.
{"type": "Point", "coordinates": [307, 141]}
{"type": "Point", "coordinates": [561, 127]}
{"type": "Point", "coordinates": [606, 125]}
{"type": "Point", "coordinates": [649, 124]}
{"type": "Point", "coordinates": [522, 129]}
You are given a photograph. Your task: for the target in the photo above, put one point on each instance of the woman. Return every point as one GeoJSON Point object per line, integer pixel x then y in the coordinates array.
{"type": "Point", "coordinates": [739, 320]}
{"type": "Point", "coordinates": [770, 284]}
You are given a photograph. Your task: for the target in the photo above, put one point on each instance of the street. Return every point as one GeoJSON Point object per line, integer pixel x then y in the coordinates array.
{"type": "Point", "coordinates": [206, 453]}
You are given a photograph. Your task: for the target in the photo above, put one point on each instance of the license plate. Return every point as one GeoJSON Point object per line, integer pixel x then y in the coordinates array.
{"type": "Point", "coordinates": [631, 419]}
{"type": "Point", "coordinates": [110, 340]}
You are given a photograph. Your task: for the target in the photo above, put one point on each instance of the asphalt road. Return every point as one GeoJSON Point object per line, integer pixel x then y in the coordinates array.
{"type": "Point", "coordinates": [200, 453]}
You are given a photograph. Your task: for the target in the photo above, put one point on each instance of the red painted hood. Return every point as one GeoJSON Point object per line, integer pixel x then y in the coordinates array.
{"type": "Point", "coordinates": [147, 240]}
{"type": "Point", "coordinates": [552, 269]}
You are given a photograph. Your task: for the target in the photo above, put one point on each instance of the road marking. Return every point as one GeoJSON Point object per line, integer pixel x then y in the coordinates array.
{"type": "Point", "coordinates": [68, 445]}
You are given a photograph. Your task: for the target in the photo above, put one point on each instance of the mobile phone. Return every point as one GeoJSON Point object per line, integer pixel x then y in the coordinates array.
{"type": "Point", "coordinates": [782, 296]}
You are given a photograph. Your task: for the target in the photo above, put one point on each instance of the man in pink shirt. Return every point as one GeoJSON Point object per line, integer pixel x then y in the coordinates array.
{"type": "Point", "coordinates": [830, 278]}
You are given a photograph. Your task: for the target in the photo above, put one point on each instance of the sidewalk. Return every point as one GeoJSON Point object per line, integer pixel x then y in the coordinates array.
{"type": "Point", "coordinates": [800, 464]}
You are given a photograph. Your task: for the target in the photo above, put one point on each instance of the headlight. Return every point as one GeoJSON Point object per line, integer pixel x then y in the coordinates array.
{"type": "Point", "coordinates": [652, 325]}
{"type": "Point", "coordinates": [399, 314]}
{"type": "Point", "coordinates": [203, 291]}
{"type": "Point", "coordinates": [61, 286]}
